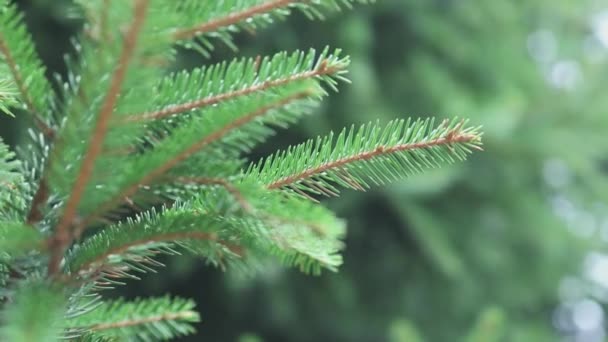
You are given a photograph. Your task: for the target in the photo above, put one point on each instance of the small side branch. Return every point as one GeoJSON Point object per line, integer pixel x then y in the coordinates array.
{"type": "Point", "coordinates": [172, 316]}
{"type": "Point", "coordinates": [159, 238]}
{"type": "Point", "coordinates": [452, 137]}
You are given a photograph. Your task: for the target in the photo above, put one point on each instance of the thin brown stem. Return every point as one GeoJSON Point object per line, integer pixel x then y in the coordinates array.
{"type": "Point", "coordinates": [25, 95]}
{"type": "Point", "coordinates": [232, 18]}
{"type": "Point", "coordinates": [188, 152]}
{"type": "Point", "coordinates": [450, 138]}
{"type": "Point", "coordinates": [172, 316]}
{"type": "Point", "coordinates": [35, 214]}
{"type": "Point", "coordinates": [323, 69]}
{"type": "Point", "coordinates": [62, 236]}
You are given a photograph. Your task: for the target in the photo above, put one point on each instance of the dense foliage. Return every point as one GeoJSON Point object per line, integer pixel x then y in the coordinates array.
{"type": "Point", "coordinates": [128, 160]}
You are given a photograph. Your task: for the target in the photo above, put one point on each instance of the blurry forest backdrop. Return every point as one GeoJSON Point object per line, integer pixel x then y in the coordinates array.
{"type": "Point", "coordinates": [508, 246]}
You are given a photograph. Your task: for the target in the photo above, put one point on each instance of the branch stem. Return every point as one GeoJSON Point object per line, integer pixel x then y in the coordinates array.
{"type": "Point", "coordinates": [62, 237]}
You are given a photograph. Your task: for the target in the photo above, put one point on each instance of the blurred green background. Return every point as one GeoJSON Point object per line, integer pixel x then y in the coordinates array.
{"type": "Point", "coordinates": [509, 246]}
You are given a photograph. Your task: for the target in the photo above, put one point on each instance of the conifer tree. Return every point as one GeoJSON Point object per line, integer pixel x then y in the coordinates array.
{"type": "Point", "coordinates": [127, 162]}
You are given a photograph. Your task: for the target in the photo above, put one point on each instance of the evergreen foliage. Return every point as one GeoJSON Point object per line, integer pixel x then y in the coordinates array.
{"type": "Point", "coordinates": [126, 163]}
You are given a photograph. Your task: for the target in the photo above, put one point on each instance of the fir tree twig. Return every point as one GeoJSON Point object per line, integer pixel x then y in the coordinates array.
{"type": "Point", "coordinates": [168, 237]}
{"type": "Point", "coordinates": [321, 70]}
{"type": "Point", "coordinates": [169, 316]}
{"type": "Point", "coordinates": [454, 136]}
{"type": "Point", "coordinates": [151, 319]}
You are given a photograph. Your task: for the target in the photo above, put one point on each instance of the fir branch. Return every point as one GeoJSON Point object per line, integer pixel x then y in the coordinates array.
{"type": "Point", "coordinates": [219, 134]}
{"type": "Point", "coordinates": [370, 153]}
{"type": "Point", "coordinates": [62, 237]}
{"type": "Point", "coordinates": [164, 316]}
{"type": "Point", "coordinates": [221, 18]}
{"type": "Point", "coordinates": [147, 319]}
{"type": "Point", "coordinates": [233, 18]}
{"type": "Point", "coordinates": [151, 240]}
{"type": "Point", "coordinates": [454, 137]}
{"type": "Point", "coordinates": [250, 76]}
{"type": "Point", "coordinates": [128, 245]}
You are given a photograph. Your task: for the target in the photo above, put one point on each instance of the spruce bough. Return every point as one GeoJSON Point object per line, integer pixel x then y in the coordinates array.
{"type": "Point", "coordinates": [126, 162]}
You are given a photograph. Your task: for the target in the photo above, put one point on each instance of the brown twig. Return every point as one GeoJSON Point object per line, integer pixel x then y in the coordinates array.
{"type": "Point", "coordinates": [40, 197]}
{"type": "Point", "coordinates": [232, 18]}
{"type": "Point", "coordinates": [62, 236]}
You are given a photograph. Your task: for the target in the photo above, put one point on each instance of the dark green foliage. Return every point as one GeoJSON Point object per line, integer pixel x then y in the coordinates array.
{"type": "Point", "coordinates": [133, 164]}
